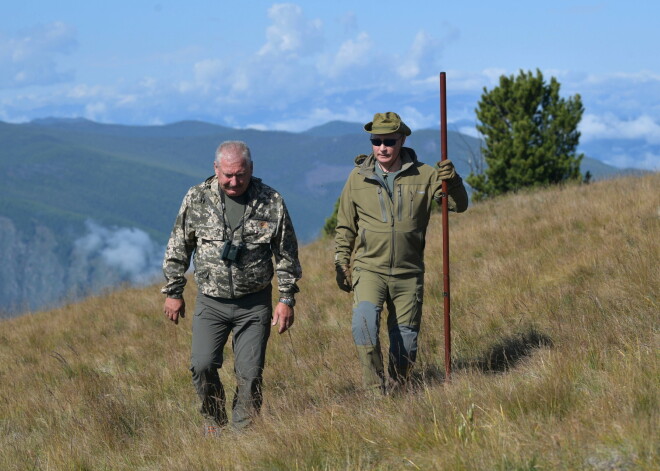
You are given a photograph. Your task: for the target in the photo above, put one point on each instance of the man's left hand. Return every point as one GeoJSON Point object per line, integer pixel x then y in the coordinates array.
{"type": "Point", "coordinates": [283, 315]}
{"type": "Point", "coordinates": [446, 170]}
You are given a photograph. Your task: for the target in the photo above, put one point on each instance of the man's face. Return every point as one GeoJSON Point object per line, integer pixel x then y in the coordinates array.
{"type": "Point", "coordinates": [385, 154]}
{"type": "Point", "coordinates": [233, 174]}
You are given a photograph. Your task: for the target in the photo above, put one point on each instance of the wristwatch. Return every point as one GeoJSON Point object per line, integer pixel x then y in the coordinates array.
{"type": "Point", "coordinates": [289, 301]}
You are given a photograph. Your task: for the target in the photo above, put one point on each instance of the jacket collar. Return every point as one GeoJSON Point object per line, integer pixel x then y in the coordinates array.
{"type": "Point", "coordinates": [211, 186]}
{"type": "Point", "coordinates": [212, 189]}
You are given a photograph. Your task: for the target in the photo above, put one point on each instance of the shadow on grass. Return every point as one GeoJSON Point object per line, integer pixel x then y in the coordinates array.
{"type": "Point", "coordinates": [499, 358]}
{"type": "Point", "coordinates": [508, 352]}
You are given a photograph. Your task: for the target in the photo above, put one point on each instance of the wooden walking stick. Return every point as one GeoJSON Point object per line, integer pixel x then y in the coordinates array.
{"type": "Point", "coordinates": [445, 226]}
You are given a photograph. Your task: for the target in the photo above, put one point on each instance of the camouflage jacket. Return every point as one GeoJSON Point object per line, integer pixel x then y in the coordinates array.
{"type": "Point", "coordinates": [389, 233]}
{"type": "Point", "coordinates": [266, 232]}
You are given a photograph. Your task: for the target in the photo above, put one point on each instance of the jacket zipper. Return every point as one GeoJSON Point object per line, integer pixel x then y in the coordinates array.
{"type": "Point", "coordinates": [383, 211]}
{"type": "Point", "coordinates": [392, 235]}
{"type": "Point", "coordinates": [384, 217]}
{"type": "Point", "coordinates": [400, 198]}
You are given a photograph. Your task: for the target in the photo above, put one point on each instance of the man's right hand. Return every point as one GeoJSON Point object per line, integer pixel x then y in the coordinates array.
{"type": "Point", "coordinates": [174, 308]}
{"type": "Point", "coordinates": [344, 279]}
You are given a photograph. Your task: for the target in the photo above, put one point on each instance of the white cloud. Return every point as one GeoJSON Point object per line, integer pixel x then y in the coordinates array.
{"type": "Point", "coordinates": [148, 83]}
{"type": "Point", "coordinates": [460, 81]}
{"type": "Point", "coordinates": [645, 160]}
{"type": "Point", "coordinates": [352, 53]}
{"type": "Point", "coordinates": [28, 58]}
{"type": "Point", "coordinates": [280, 72]}
{"type": "Point", "coordinates": [260, 127]}
{"type": "Point", "coordinates": [209, 73]}
{"type": "Point", "coordinates": [315, 117]}
{"type": "Point", "coordinates": [185, 86]}
{"type": "Point", "coordinates": [469, 131]}
{"type": "Point", "coordinates": [609, 126]}
{"type": "Point", "coordinates": [130, 251]}
{"type": "Point", "coordinates": [422, 53]}
{"type": "Point", "coordinates": [418, 120]}
{"type": "Point", "coordinates": [241, 81]}
{"type": "Point", "coordinates": [291, 33]}
{"type": "Point", "coordinates": [349, 22]}
{"type": "Point", "coordinates": [95, 111]}
{"type": "Point", "coordinates": [643, 76]}
{"type": "Point", "coordinates": [493, 75]}
{"type": "Point", "coordinates": [127, 100]}
{"type": "Point", "coordinates": [85, 92]}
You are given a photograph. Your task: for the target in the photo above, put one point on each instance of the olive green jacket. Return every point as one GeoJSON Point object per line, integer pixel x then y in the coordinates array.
{"type": "Point", "coordinates": [388, 233]}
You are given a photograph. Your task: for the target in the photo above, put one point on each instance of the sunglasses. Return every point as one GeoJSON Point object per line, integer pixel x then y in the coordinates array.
{"type": "Point", "coordinates": [387, 142]}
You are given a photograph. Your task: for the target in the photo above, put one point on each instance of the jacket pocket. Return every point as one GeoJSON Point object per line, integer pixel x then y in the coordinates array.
{"type": "Point", "coordinates": [259, 231]}
{"type": "Point", "coordinates": [209, 246]}
{"type": "Point", "coordinates": [375, 248]}
{"type": "Point", "coordinates": [410, 250]}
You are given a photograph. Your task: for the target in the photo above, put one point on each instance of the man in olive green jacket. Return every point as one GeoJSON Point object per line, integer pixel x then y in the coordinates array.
{"type": "Point", "coordinates": [383, 214]}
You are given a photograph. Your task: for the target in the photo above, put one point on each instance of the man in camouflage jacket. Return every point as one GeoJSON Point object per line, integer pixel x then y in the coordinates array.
{"type": "Point", "coordinates": [234, 225]}
{"type": "Point", "coordinates": [383, 214]}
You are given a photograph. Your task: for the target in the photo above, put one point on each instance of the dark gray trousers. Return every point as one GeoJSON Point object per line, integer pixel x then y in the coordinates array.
{"type": "Point", "coordinates": [248, 320]}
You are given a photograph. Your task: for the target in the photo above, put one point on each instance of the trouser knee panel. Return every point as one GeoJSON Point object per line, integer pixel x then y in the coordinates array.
{"type": "Point", "coordinates": [366, 317]}
{"type": "Point", "coordinates": [403, 344]}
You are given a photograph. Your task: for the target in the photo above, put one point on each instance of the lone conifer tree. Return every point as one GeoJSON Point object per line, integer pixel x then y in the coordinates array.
{"type": "Point", "coordinates": [530, 135]}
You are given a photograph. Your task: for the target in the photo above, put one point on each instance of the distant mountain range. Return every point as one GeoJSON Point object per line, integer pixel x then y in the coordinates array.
{"type": "Point", "coordinates": [85, 205]}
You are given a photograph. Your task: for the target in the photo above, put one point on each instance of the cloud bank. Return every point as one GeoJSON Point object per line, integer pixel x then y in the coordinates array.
{"type": "Point", "coordinates": [130, 252]}
{"type": "Point", "coordinates": [302, 74]}
{"type": "Point", "coordinates": [29, 57]}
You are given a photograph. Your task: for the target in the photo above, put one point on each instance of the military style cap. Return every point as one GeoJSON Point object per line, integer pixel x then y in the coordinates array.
{"type": "Point", "coordinates": [387, 123]}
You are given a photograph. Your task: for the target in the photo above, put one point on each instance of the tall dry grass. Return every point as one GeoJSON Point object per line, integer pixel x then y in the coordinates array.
{"type": "Point", "coordinates": [555, 318]}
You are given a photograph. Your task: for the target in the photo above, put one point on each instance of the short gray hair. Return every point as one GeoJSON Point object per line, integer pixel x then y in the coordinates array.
{"type": "Point", "coordinates": [234, 147]}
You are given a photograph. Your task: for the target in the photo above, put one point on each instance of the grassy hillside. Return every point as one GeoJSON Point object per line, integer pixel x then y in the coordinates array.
{"type": "Point", "coordinates": [555, 302]}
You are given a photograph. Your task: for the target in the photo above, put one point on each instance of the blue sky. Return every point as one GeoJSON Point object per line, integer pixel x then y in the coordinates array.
{"type": "Point", "coordinates": [291, 66]}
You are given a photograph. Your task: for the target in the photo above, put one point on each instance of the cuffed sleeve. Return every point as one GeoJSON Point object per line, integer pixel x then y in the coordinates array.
{"type": "Point", "coordinates": [178, 253]}
{"type": "Point", "coordinates": [458, 197]}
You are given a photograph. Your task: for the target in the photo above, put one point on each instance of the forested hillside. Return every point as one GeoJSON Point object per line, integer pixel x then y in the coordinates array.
{"type": "Point", "coordinates": [85, 206]}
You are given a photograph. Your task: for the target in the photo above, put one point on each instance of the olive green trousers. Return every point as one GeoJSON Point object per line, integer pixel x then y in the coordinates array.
{"type": "Point", "coordinates": [403, 296]}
